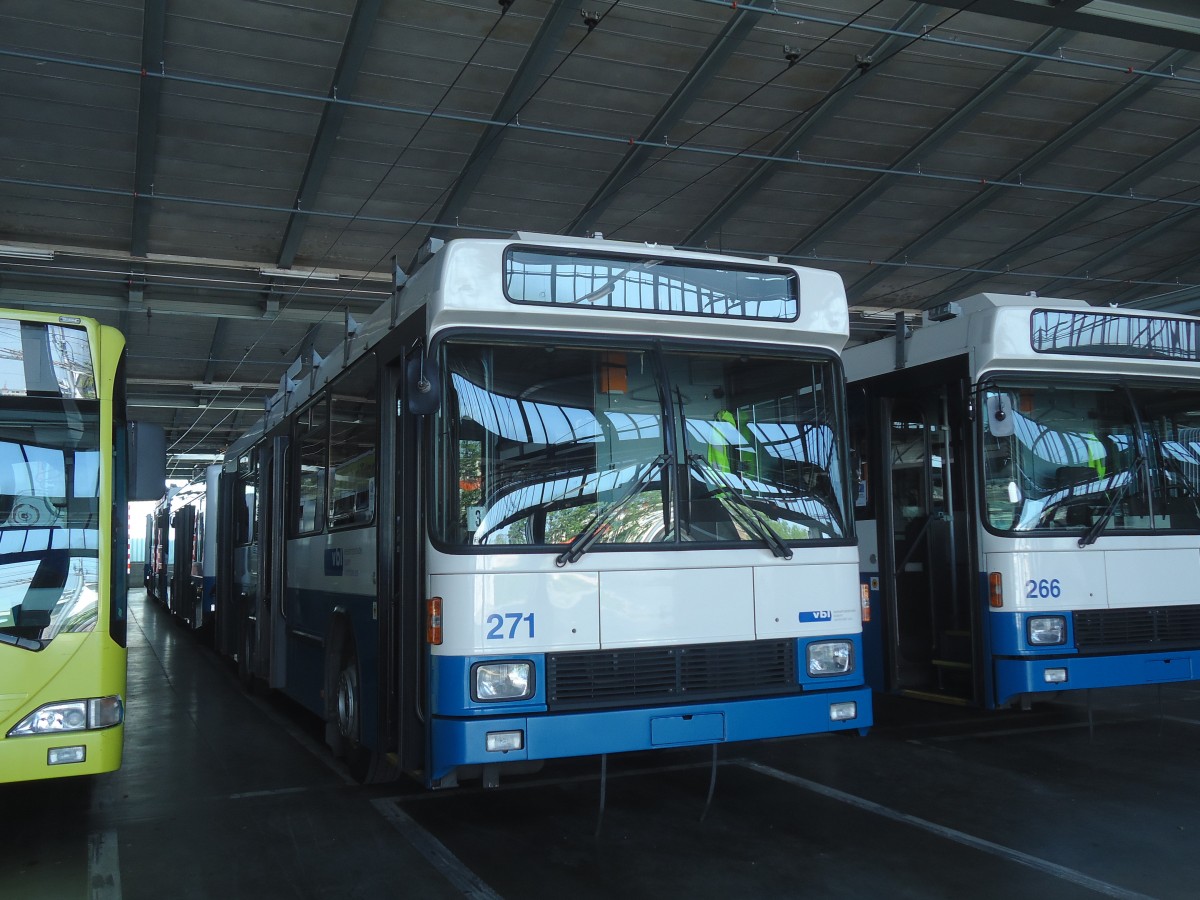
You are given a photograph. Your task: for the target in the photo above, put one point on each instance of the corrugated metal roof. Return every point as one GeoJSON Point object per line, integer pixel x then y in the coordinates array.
{"type": "Point", "coordinates": [925, 151]}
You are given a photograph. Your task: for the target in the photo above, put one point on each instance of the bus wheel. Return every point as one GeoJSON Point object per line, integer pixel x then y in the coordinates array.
{"type": "Point", "coordinates": [343, 733]}
{"type": "Point", "coordinates": [347, 702]}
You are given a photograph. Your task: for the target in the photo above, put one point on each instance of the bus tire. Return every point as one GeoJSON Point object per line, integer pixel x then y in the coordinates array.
{"type": "Point", "coordinates": [343, 728]}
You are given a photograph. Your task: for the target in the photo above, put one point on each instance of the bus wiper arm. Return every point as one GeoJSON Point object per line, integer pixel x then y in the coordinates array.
{"type": "Point", "coordinates": [749, 516]}
{"type": "Point", "coordinates": [1175, 466]}
{"type": "Point", "coordinates": [1118, 495]}
{"type": "Point", "coordinates": [584, 540]}
{"type": "Point", "coordinates": [23, 642]}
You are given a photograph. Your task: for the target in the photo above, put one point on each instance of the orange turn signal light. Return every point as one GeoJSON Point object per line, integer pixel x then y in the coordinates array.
{"type": "Point", "coordinates": [995, 590]}
{"type": "Point", "coordinates": [433, 620]}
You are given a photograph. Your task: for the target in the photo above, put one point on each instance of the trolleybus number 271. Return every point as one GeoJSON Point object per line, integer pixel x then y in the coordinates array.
{"type": "Point", "coordinates": [497, 632]}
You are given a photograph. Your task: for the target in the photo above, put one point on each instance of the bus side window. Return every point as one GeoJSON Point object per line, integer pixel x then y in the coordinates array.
{"type": "Point", "coordinates": [354, 429]}
{"type": "Point", "coordinates": [245, 510]}
{"type": "Point", "coordinates": [312, 429]}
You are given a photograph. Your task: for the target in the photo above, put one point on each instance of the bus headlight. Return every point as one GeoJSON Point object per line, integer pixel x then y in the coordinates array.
{"type": "Point", "coordinates": [73, 715]}
{"type": "Point", "coordinates": [830, 658]}
{"type": "Point", "coordinates": [1047, 630]}
{"type": "Point", "coordinates": [502, 681]}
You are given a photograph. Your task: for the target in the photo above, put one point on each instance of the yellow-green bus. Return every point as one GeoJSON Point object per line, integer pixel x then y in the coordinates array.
{"type": "Point", "coordinates": [63, 522]}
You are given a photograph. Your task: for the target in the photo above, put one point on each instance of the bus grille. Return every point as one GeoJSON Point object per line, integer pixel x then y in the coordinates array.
{"type": "Point", "coordinates": [1153, 628]}
{"type": "Point", "coordinates": [642, 676]}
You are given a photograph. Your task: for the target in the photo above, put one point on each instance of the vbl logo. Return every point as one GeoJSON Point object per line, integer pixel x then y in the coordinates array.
{"type": "Point", "coordinates": [816, 615]}
{"type": "Point", "coordinates": [333, 561]}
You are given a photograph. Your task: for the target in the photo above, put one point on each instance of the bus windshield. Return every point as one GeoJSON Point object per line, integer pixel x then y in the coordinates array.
{"type": "Point", "coordinates": [540, 445]}
{"type": "Point", "coordinates": [49, 519]}
{"type": "Point", "coordinates": [1095, 457]}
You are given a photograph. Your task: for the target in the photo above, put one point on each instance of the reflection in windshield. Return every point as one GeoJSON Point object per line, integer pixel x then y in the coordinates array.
{"type": "Point", "coordinates": [49, 519]}
{"type": "Point", "coordinates": [538, 443]}
{"type": "Point", "coordinates": [1092, 457]}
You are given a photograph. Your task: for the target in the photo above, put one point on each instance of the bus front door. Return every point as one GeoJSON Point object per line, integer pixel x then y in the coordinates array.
{"type": "Point", "coordinates": [927, 593]}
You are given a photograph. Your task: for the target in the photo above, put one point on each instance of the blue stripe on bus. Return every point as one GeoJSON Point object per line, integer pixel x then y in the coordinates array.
{"type": "Point", "coordinates": [458, 742]}
{"type": "Point", "coordinates": [450, 685]}
{"type": "Point", "coordinates": [1009, 634]}
{"type": "Point", "coordinates": [1021, 676]}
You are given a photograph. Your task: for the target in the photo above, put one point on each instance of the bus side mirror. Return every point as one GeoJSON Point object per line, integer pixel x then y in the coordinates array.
{"type": "Point", "coordinates": [1000, 416]}
{"type": "Point", "coordinates": [146, 452]}
{"type": "Point", "coordinates": [423, 390]}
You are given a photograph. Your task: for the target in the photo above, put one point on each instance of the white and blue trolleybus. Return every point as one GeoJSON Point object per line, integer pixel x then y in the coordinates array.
{"type": "Point", "coordinates": [562, 497]}
{"type": "Point", "coordinates": [181, 539]}
{"type": "Point", "coordinates": [1029, 499]}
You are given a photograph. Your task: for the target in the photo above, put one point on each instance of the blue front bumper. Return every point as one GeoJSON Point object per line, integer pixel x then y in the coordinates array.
{"type": "Point", "coordinates": [463, 741]}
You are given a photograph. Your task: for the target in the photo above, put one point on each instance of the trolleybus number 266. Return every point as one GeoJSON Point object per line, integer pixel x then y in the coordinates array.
{"type": "Point", "coordinates": [1042, 588]}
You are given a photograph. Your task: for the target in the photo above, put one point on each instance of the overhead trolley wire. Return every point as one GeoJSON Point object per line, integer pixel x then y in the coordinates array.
{"type": "Point", "coordinates": [1068, 60]}
{"type": "Point", "coordinates": [1170, 75]}
{"type": "Point", "coordinates": [590, 24]}
{"type": "Point", "coordinates": [791, 64]}
{"type": "Point", "coordinates": [981, 266]}
{"type": "Point", "coordinates": [773, 10]}
{"type": "Point", "coordinates": [504, 7]}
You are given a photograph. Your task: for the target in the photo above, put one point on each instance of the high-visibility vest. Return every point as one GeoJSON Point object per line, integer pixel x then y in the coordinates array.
{"type": "Point", "coordinates": [1096, 463]}
{"type": "Point", "coordinates": [718, 446]}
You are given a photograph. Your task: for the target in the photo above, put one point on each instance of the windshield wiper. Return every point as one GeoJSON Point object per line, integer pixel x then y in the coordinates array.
{"type": "Point", "coordinates": [582, 541]}
{"type": "Point", "coordinates": [1119, 494]}
{"type": "Point", "coordinates": [1176, 467]}
{"type": "Point", "coordinates": [24, 642]}
{"type": "Point", "coordinates": [746, 513]}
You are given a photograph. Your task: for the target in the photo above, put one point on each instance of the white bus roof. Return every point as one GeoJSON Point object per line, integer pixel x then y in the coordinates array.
{"type": "Point", "coordinates": [462, 286]}
{"type": "Point", "coordinates": [1029, 333]}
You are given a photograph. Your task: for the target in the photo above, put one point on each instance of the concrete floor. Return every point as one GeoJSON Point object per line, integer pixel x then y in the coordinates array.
{"type": "Point", "coordinates": [226, 795]}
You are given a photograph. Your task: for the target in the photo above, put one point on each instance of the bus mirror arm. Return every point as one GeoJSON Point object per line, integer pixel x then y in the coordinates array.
{"type": "Point", "coordinates": [423, 388]}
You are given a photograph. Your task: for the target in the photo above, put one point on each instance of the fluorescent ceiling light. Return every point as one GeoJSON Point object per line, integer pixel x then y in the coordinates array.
{"type": "Point", "coordinates": [299, 274]}
{"type": "Point", "coordinates": [14, 252]}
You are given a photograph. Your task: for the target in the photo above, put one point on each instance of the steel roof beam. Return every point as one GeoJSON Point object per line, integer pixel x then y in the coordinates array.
{"type": "Point", "coordinates": [1146, 27]}
{"type": "Point", "coordinates": [740, 24]}
{"type": "Point", "coordinates": [946, 129]}
{"type": "Point", "coordinates": [218, 338]}
{"type": "Point", "coordinates": [1136, 296]}
{"type": "Point", "coordinates": [521, 88]}
{"type": "Point", "coordinates": [154, 19]}
{"type": "Point", "coordinates": [21, 296]}
{"type": "Point", "coordinates": [1096, 264]}
{"type": "Point", "coordinates": [913, 19]}
{"type": "Point", "coordinates": [1185, 300]}
{"type": "Point", "coordinates": [1047, 154]}
{"type": "Point", "coordinates": [1064, 222]}
{"type": "Point", "coordinates": [345, 79]}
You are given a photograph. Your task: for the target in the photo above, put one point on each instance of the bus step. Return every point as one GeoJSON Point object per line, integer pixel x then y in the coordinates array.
{"type": "Point", "coordinates": [951, 664]}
